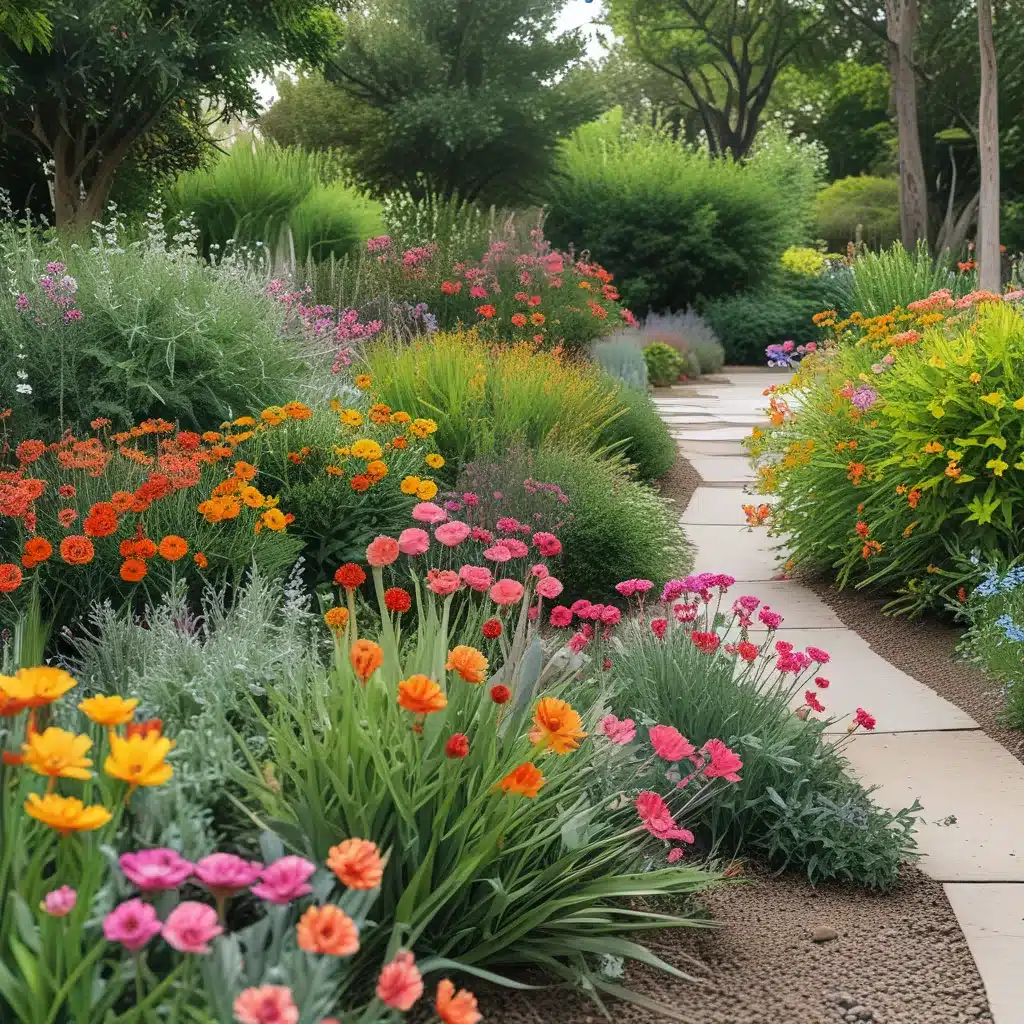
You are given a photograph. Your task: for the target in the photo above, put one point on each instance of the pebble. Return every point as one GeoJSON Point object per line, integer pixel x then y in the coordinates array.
{"type": "Point", "coordinates": [823, 933]}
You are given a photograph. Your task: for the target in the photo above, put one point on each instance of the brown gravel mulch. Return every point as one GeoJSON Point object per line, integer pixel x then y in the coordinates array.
{"type": "Point", "coordinates": [679, 483]}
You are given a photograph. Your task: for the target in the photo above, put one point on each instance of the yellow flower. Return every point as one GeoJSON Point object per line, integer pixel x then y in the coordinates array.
{"type": "Point", "coordinates": [556, 725]}
{"type": "Point", "coordinates": [422, 428]}
{"type": "Point", "coordinates": [434, 461]}
{"type": "Point", "coordinates": [273, 415]}
{"type": "Point", "coordinates": [426, 490]}
{"type": "Point", "coordinates": [410, 484]}
{"type": "Point", "coordinates": [35, 687]}
{"type": "Point", "coordinates": [342, 451]}
{"type": "Point", "coordinates": [108, 711]}
{"type": "Point", "coordinates": [274, 519]}
{"type": "Point", "coordinates": [937, 361]}
{"type": "Point", "coordinates": [997, 466]}
{"type": "Point", "coordinates": [975, 378]}
{"type": "Point", "coordinates": [351, 417]}
{"type": "Point", "coordinates": [244, 421]}
{"type": "Point", "coordinates": [139, 759]}
{"type": "Point", "coordinates": [363, 381]}
{"type": "Point", "coordinates": [1019, 404]}
{"type": "Point", "coordinates": [251, 496]}
{"type": "Point", "coordinates": [995, 398]}
{"type": "Point", "coordinates": [59, 754]}
{"type": "Point", "coordinates": [364, 448]}
{"type": "Point", "coordinates": [954, 456]}
{"type": "Point", "coordinates": [65, 813]}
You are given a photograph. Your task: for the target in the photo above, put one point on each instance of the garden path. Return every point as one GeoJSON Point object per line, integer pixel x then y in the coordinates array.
{"type": "Point", "coordinates": [971, 788]}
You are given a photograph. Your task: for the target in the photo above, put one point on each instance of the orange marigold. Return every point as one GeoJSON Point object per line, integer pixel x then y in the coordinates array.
{"type": "Point", "coordinates": [173, 547]}
{"type": "Point", "coordinates": [526, 780]}
{"type": "Point", "coordinates": [122, 501]}
{"type": "Point", "coordinates": [101, 525]}
{"type": "Point", "coordinates": [77, 550]}
{"type": "Point", "coordinates": [421, 695]}
{"type": "Point", "coordinates": [10, 577]}
{"type": "Point", "coordinates": [357, 863]}
{"type": "Point", "coordinates": [327, 930]}
{"type": "Point", "coordinates": [468, 662]}
{"type": "Point", "coordinates": [244, 470]}
{"type": "Point", "coordinates": [366, 657]}
{"type": "Point", "coordinates": [200, 559]}
{"type": "Point", "coordinates": [133, 570]}
{"type": "Point", "coordinates": [37, 549]}
{"type": "Point", "coordinates": [336, 618]}
{"type": "Point", "coordinates": [556, 725]}
{"type": "Point", "coordinates": [360, 482]}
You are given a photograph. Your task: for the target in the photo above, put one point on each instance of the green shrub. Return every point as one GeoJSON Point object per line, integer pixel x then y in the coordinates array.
{"type": "Point", "coordinates": [859, 208]}
{"type": "Point", "coordinates": [622, 356]}
{"type": "Point", "coordinates": [671, 223]}
{"type": "Point", "coordinates": [689, 334]}
{"type": "Point", "coordinates": [160, 334]}
{"type": "Point", "coordinates": [664, 364]}
{"type": "Point", "coordinates": [796, 804]}
{"type": "Point", "coordinates": [641, 435]}
{"type": "Point", "coordinates": [332, 220]}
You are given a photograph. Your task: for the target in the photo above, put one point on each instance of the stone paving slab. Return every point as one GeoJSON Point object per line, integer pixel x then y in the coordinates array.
{"type": "Point", "coordinates": [688, 420]}
{"type": "Point", "coordinates": [717, 433]}
{"type": "Point", "coordinates": [801, 608]}
{"type": "Point", "coordinates": [727, 470]}
{"type": "Point", "coordinates": [992, 919]}
{"type": "Point", "coordinates": [717, 506]}
{"type": "Point", "coordinates": [732, 549]}
{"type": "Point", "coordinates": [710, 448]}
{"type": "Point", "coordinates": [961, 775]}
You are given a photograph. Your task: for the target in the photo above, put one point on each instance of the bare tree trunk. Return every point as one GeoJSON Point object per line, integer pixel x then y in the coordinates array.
{"type": "Point", "coordinates": [989, 262]}
{"type": "Point", "coordinates": [901, 20]}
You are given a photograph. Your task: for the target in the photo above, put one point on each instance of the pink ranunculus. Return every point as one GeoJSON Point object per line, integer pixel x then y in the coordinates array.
{"type": "Point", "coordinates": [443, 581]}
{"type": "Point", "coordinates": [413, 541]}
{"type": "Point", "coordinates": [382, 551]}
{"type": "Point", "coordinates": [547, 544]}
{"type": "Point", "coordinates": [60, 902]}
{"type": "Point", "coordinates": [452, 534]}
{"type": "Point", "coordinates": [506, 592]}
{"type": "Point", "coordinates": [498, 553]}
{"type": "Point", "coordinates": [549, 587]}
{"type": "Point", "coordinates": [476, 577]}
{"type": "Point", "coordinates": [268, 1004]}
{"type": "Point", "coordinates": [428, 512]}
{"type": "Point", "coordinates": [618, 730]}
{"type": "Point", "coordinates": [191, 926]}
{"type": "Point", "coordinates": [611, 615]}
{"type": "Point", "coordinates": [224, 873]}
{"type": "Point", "coordinates": [132, 923]}
{"type": "Point", "coordinates": [285, 880]}
{"type": "Point", "coordinates": [539, 571]}
{"type": "Point", "coordinates": [400, 984]}
{"type": "Point", "coordinates": [152, 870]}
{"type": "Point", "coordinates": [560, 616]}
{"type": "Point", "coordinates": [577, 642]}
{"type": "Point", "coordinates": [658, 627]}
{"type": "Point", "coordinates": [670, 744]}
{"type": "Point", "coordinates": [724, 763]}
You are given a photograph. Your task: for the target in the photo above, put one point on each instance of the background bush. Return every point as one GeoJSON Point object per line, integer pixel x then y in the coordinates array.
{"type": "Point", "coordinates": [665, 365]}
{"type": "Point", "coordinates": [641, 434]}
{"type": "Point", "coordinates": [862, 202]}
{"type": "Point", "coordinates": [622, 356]}
{"type": "Point", "coordinates": [690, 335]}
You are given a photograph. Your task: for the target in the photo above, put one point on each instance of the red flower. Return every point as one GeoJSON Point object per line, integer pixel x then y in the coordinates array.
{"type": "Point", "coordinates": [821, 682]}
{"type": "Point", "coordinates": [811, 698]}
{"type": "Point", "coordinates": [865, 719]}
{"type": "Point", "coordinates": [820, 656]}
{"type": "Point", "coordinates": [397, 600]}
{"type": "Point", "coordinates": [706, 642]}
{"type": "Point", "coordinates": [500, 693]}
{"type": "Point", "coordinates": [451, 287]}
{"type": "Point", "coordinates": [747, 651]}
{"type": "Point", "coordinates": [863, 529]}
{"type": "Point", "coordinates": [491, 629]}
{"type": "Point", "coordinates": [350, 576]}
{"type": "Point", "coordinates": [486, 310]}
{"type": "Point", "coordinates": [457, 745]}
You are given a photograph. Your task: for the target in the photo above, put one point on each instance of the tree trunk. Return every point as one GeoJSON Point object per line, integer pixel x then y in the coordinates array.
{"type": "Point", "coordinates": [901, 20]}
{"type": "Point", "coordinates": [989, 261]}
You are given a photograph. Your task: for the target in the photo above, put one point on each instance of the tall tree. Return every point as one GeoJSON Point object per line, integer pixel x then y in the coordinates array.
{"type": "Point", "coordinates": [989, 264]}
{"type": "Point", "coordinates": [726, 54]}
{"type": "Point", "coordinates": [467, 96]}
{"type": "Point", "coordinates": [115, 68]}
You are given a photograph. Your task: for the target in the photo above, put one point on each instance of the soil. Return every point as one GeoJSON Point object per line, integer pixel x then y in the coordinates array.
{"type": "Point", "coordinates": [679, 483]}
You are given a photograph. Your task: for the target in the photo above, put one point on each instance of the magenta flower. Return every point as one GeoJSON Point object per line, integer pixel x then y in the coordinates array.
{"type": "Point", "coordinates": [452, 534]}
{"type": "Point", "coordinates": [132, 923]}
{"type": "Point", "coordinates": [285, 880]}
{"type": "Point", "coordinates": [670, 744]}
{"type": "Point", "coordinates": [818, 655]}
{"type": "Point", "coordinates": [190, 926]}
{"type": "Point", "coordinates": [152, 870]}
{"type": "Point", "coordinates": [224, 873]}
{"type": "Point", "coordinates": [59, 902]}
{"type": "Point", "coordinates": [725, 763]}
{"type": "Point", "coordinates": [413, 541]}
{"type": "Point", "coordinates": [658, 820]}
{"type": "Point", "coordinates": [618, 730]}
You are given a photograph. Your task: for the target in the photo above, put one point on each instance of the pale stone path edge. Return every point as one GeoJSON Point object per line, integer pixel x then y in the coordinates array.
{"type": "Point", "coordinates": [972, 789]}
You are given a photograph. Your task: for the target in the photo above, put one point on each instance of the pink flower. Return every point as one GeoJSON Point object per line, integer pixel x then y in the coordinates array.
{"type": "Point", "coordinates": [618, 730]}
{"type": "Point", "coordinates": [580, 608]}
{"type": "Point", "coordinates": [821, 682]}
{"type": "Point", "coordinates": [60, 902]}
{"type": "Point", "coordinates": [748, 602]}
{"type": "Point", "coordinates": [811, 700]}
{"type": "Point", "coordinates": [268, 1004]}
{"type": "Point", "coordinates": [610, 615]}
{"type": "Point", "coordinates": [577, 642]}
{"type": "Point", "coordinates": [190, 926]}
{"type": "Point", "coordinates": [684, 612]}
{"type": "Point", "coordinates": [482, 535]}
{"type": "Point", "coordinates": [627, 588]}
{"type": "Point", "coordinates": [675, 854]}
{"type": "Point", "coordinates": [151, 870]}
{"type": "Point", "coordinates": [547, 544]}
{"type": "Point", "coordinates": [428, 512]}
{"type": "Point", "coordinates": [549, 587]}
{"type": "Point", "coordinates": [673, 590]}
{"type": "Point", "coordinates": [747, 650]}
{"type": "Point", "coordinates": [560, 616]}
{"type": "Point", "coordinates": [443, 581]}
{"type": "Point", "coordinates": [539, 571]}
{"type": "Point", "coordinates": [132, 923]}
{"type": "Point", "coordinates": [413, 541]}
{"type": "Point", "coordinates": [706, 642]}
{"type": "Point", "coordinates": [507, 524]}
{"type": "Point", "coordinates": [783, 646]}
{"type": "Point", "coordinates": [658, 820]}
{"type": "Point", "coordinates": [478, 291]}
{"type": "Point", "coordinates": [285, 880]}
{"type": "Point", "coordinates": [516, 548]}
{"type": "Point", "coordinates": [864, 719]}
{"type": "Point", "coordinates": [818, 655]}
{"type": "Point", "coordinates": [476, 577]}
{"type": "Point", "coordinates": [506, 592]}
{"type": "Point", "coordinates": [400, 983]}
{"type": "Point", "coordinates": [724, 762]}
{"type": "Point", "coordinates": [452, 534]}
{"type": "Point", "coordinates": [382, 551]}
{"type": "Point", "coordinates": [771, 619]}
{"type": "Point", "coordinates": [658, 627]}
{"type": "Point", "coordinates": [670, 744]}
{"type": "Point", "coordinates": [470, 498]}
{"type": "Point", "coordinates": [224, 873]}
{"type": "Point", "coordinates": [498, 553]}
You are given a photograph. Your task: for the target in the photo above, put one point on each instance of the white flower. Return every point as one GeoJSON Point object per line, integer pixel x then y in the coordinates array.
{"type": "Point", "coordinates": [23, 389]}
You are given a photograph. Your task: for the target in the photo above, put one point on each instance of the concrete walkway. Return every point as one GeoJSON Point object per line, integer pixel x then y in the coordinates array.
{"type": "Point", "coordinates": [971, 788]}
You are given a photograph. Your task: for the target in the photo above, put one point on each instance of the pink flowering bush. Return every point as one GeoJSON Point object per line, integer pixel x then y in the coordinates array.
{"type": "Point", "coordinates": [740, 702]}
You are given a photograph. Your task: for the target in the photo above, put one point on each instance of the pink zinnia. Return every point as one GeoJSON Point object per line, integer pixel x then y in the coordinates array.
{"type": "Point", "coordinates": [268, 1004]}
{"type": "Point", "coordinates": [547, 544]}
{"type": "Point", "coordinates": [476, 577]}
{"type": "Point", "coordinates": [443, 581]}
{"type": "Point", "coordinates": [506, 592]}
{"type": "Point", "coordinates": [60, 902]}
{"type": "Point", "coordinates": [452, 534]}
{"type": "Point", "coordinates": [549, 587]}
{"type": "Point", "coordinates": [191, 926]}
{"type": "Point", "coordinates": [132, 923]}
{"type": "Point", "coordinates": [618, 730]}
{"type": "Point", "coordinates": [658, 627]}
{"type": "Point", "coordinates": [382, 551]}
{"type": "Point", "coordinates": [152, 870]}
{"type": "Point", "coordinates": [560, 616]}
{"type": "Point", "coordinates": [413, 541]}
{"type": "Point", "coordinates": [224, 873]}
{"type": "Point", "coordinates": [725, 763]}
{"type": "Point", "coordinates": [670, 744]}
{"type": "Point", "coordinates": [428, 512]}
{"type": "Point", "coordinates": [498, 553]}
{"type": "Point", "coordinates": [400, 983]}
{"type": "Point", "coordinates": [285, 880]}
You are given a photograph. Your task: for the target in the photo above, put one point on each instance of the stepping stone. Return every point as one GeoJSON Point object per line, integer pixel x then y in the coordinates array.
{"type": "Point", "coordinates": [745, 555]}
{"type": "Point", "coordinates": [723, 470]}
{"type": "Point", "coordinates": [714, 434]}
{"type": "Point", "coordinates": [972, 790]}
{"type": "Point", "coordinates": [688, 420]}
{"type": "Point", "coordinates": [860, 678]}
{"type": "Point", "coordinates": [800, 607]}
{"type": "Point", "coordinates": [690, 449]}
{"type": "Point", "coordinates": [992, 920]}
{"type": "Point", "coordinates": [717, 506]}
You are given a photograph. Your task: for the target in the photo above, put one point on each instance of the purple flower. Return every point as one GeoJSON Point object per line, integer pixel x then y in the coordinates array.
{"type": "Point", "coordinates": [864, 397]}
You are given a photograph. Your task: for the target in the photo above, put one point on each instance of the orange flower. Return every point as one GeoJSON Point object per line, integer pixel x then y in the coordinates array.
{"type": "Point", "coordinates": [244, 471]}
{"type": "Point", "coordinates": [468, 662]}
{"type": "Point", "coordinates": [862, 529]}
{"type": "Point", "coordinates": [914, 497]}
{"type": "Point", "coordinates": [173, 547]}
{"type": "Point", "coordinates": [336, 618]}
{"type": "Point", "coordinates": [556, 725]}
{"type": "Point", "coordinates": [456, 1007]}
{"type": "Point", "coordinates": [77, 550]}
{"type": "Point", "coordinates": [29, 451]}
{"type": "Point", "coordinates": [350, 576]}
{"type": "Point", "coordinates": [100, 525]}
{"type": "Point", "coordinates": [200, 559]}
{"type": "Point", "coordinates": [366, 658]}
{"type": "Point", "coordinates": [360, 482]}
{"type": "Point", "coordinates": [400, 442]}
{"type": "Point", "coordinates": [133, 570]}
{"type": "Point", "coordinates": [122, 501]}
{"type": "Point", "coordinates": [10, 577]}
{"type": "Point", "coordinates": [526, 780]}
{"type": "Point", "coordinates": [145, 548]}
{"type": "Point", "coordinates": [327, 929]}
{"type": "Point", "coordinates": [298, 410]}
{"type": "Point", "coordinates": [37, 549]}
{"type": "Point", "coordinates": [66, 516]}
{"type": "Point", "coordinates": [357, 863]}
{"type": "Point", "coordinates": [421, 695]}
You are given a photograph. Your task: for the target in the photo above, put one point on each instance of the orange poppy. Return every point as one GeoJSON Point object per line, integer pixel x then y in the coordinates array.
{"type": "Point", "coordinates": [366, 658]}
{"type": "Point", "coordinates": [77, 550]}
{"type": "Point", "coordinates": [421, 695]}
{"type": "Point", "coordinates": [133, 570]}
{"type": "Point", "coordinates": [526, 780]}
{"type": "Point", "coordinates": [173, 547]}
